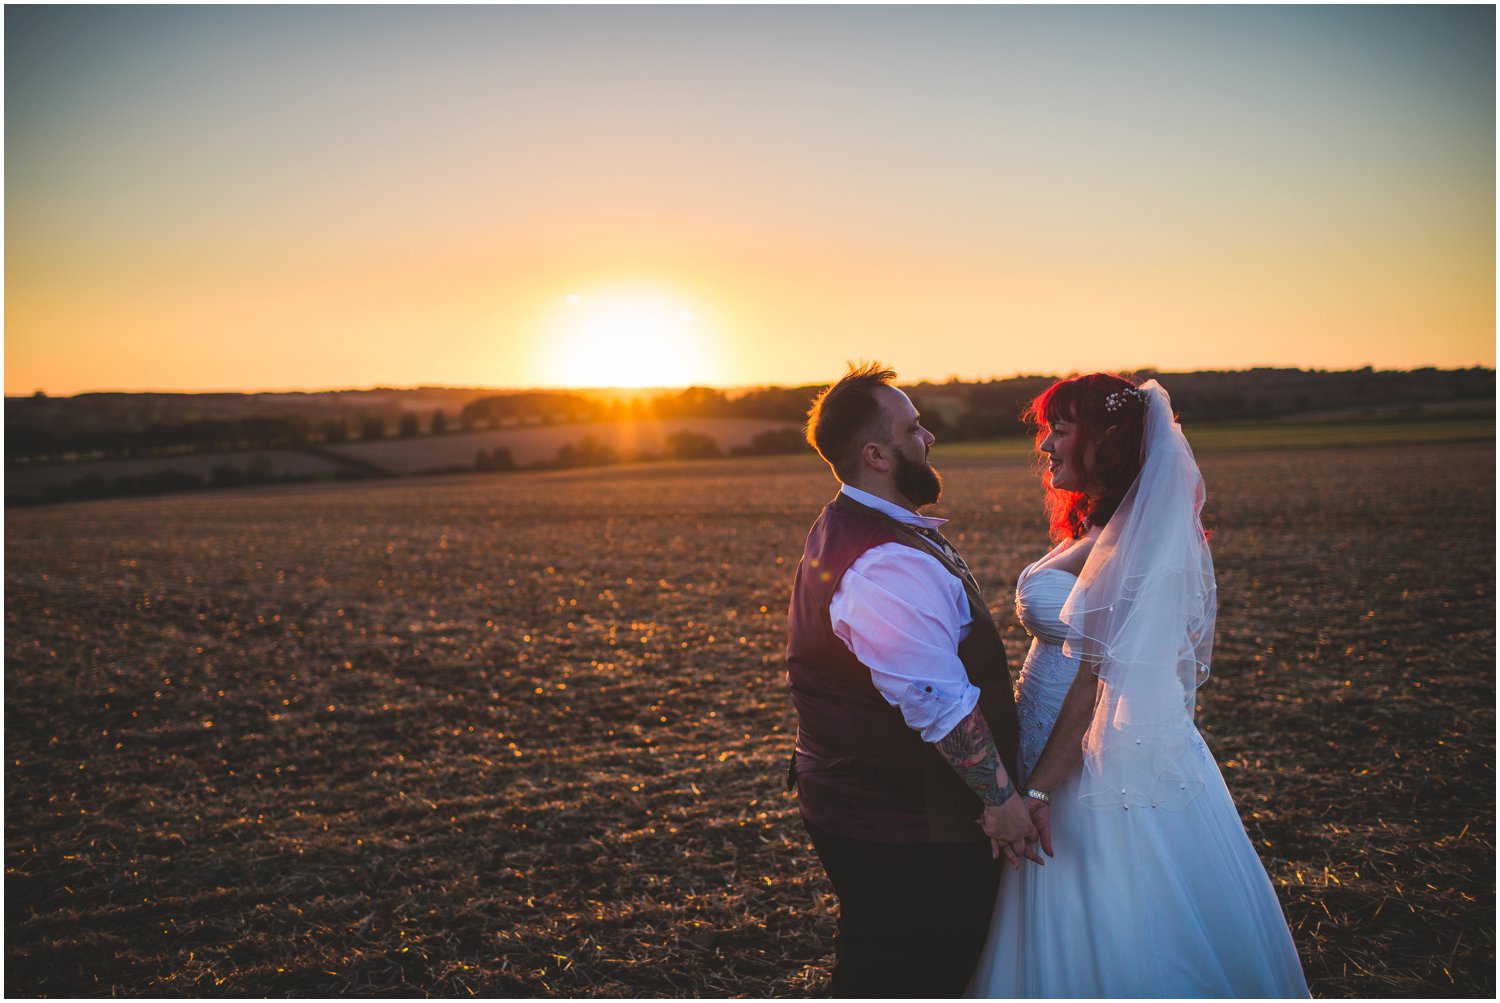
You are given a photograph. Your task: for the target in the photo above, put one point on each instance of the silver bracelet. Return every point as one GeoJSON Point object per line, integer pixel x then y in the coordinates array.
{"type": "Point", "coordinates": [1042, 796]}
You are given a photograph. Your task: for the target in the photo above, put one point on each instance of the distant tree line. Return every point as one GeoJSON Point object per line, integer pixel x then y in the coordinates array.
{"type": "Point", "coordinates": [29, 441]}
{"type": "Point", "coordinates": [46, 430]}
{"type": "Point", "coordinates": [39, 442]}
{"type": "Point", "coordinates": [955, 411]}
{"type": "Point", "coordinates": [992, 409]}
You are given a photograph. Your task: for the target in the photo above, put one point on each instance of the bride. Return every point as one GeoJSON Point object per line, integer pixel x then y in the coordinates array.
{"type": "Point", "coordinates": [1153, 888]}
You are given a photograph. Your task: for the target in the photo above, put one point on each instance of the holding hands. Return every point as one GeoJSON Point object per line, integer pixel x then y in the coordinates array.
{"type": "Point", "coordinates": [1012, 831]}
{"type": "Point", "coordinates": [1006, 819]}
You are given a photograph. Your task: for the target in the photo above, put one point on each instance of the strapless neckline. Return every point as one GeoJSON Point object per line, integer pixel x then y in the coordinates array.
{"type": "Point", "coordinates": [1032, 569]}
{"type": "Point", "coordinates": [1040, 596]}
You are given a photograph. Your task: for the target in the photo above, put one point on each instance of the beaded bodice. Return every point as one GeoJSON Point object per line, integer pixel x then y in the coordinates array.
{"type": "Point", "coordinates": [1048, 671]}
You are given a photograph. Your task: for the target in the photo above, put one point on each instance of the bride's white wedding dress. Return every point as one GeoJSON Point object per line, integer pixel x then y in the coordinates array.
{"type": "Point", "coordinates": [1137, 901]}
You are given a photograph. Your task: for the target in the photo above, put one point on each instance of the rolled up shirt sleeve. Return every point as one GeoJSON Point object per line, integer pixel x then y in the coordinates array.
{"type": "Point", "coordinates": [902, 614]}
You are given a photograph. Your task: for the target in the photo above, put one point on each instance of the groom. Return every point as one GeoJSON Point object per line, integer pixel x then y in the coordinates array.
{"type": "Point", "coordinates": [906, 734]}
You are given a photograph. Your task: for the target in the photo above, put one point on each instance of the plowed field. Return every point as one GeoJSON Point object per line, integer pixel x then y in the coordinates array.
{"type": "Point", "coordinates": [525, 734]}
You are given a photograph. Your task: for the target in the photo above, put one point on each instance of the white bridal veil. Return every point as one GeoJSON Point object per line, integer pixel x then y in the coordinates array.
{"type": "Point", "coordinates": [1142, 615]}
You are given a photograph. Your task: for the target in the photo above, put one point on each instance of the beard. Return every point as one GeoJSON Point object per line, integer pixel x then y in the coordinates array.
{"type": "Point", "coordinates": [917, 481]}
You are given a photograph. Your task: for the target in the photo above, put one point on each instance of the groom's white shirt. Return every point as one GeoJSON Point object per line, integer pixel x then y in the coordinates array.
{"type": "Point", "coordinates": [903, 614]}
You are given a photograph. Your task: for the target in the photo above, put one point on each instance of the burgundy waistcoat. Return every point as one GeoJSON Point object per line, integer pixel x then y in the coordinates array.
{"type": "Point", "coordinates": [861, 772]}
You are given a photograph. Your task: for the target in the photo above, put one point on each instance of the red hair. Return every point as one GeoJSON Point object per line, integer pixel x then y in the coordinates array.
{"type": "Point", "coordinates": [1117, 457]}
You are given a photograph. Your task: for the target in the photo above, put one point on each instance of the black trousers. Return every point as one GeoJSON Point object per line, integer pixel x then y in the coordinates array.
{"type": "Point", "coordinates": [912, 916]}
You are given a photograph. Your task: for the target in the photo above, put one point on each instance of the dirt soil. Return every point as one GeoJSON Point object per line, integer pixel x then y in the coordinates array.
{"type": "Point", "coordinates": [524, 735]}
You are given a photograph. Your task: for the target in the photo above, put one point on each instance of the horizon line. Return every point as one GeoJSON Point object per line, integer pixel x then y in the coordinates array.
{"type": "Point", "coordinates": [560, 388]}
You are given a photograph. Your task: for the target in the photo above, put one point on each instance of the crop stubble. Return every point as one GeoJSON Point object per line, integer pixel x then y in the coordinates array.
{"type": "Point", "coordinates": [525, 735]}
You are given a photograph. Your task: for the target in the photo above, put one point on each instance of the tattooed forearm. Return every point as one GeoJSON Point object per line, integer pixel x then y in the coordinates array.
{"type": "Point", "coordinates": [970, 749]}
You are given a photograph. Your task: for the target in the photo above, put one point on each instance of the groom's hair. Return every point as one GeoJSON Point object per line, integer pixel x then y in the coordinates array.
{"type": "Point", "coordinates": [846, 415]}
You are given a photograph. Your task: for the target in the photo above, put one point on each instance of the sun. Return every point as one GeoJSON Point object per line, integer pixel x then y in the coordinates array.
{"type": "Point", "coordinates": [626, 337]}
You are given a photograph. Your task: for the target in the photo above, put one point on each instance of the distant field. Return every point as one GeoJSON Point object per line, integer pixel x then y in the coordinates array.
{"type": "Point", "coordinates": [1239, 436]}
{"type": "Point", "coordinates": [1283, 434]}
{"type": "Point", "coordinates": [540, 445]}
{"type": "Point", "coordinates": [31, 481]}
{"type": "Point", "coordinates": [524, 734]}
{"type": "Point", "coordinates": [404, 455]}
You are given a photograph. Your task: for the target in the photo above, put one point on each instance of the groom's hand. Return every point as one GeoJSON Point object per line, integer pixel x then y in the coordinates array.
{"type": "Point", "coordinates": [1010, 829]}
{"type": "Point", "coordinates": [970, 749]}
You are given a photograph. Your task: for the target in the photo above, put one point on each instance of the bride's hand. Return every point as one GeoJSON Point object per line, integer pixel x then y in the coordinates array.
{"type": "Point", "coordinates": [1041, 817]}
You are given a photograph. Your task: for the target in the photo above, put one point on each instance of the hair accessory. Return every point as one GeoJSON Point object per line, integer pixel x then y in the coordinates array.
{"type": "Point", "coordinates": [1117, 400]}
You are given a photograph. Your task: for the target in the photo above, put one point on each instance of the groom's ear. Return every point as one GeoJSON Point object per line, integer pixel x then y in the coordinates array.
{"type": "Point", "coordinates": [877, 456]}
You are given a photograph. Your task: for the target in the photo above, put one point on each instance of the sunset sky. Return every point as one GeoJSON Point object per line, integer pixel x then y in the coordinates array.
{"type": "Point", "coordinates": [301, 198]}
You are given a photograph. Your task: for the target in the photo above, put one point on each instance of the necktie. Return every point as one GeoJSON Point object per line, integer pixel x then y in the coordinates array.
{"type": "Point", "coordinates": [948, 550]}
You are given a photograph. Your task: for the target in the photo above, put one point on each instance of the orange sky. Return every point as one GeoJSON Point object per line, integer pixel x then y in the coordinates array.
{"type": "Point", "coordinates": [278, 198]}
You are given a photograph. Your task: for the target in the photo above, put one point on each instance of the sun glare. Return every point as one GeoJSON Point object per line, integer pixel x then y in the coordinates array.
{"type": "Point", "coordinates": [626, 338]}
